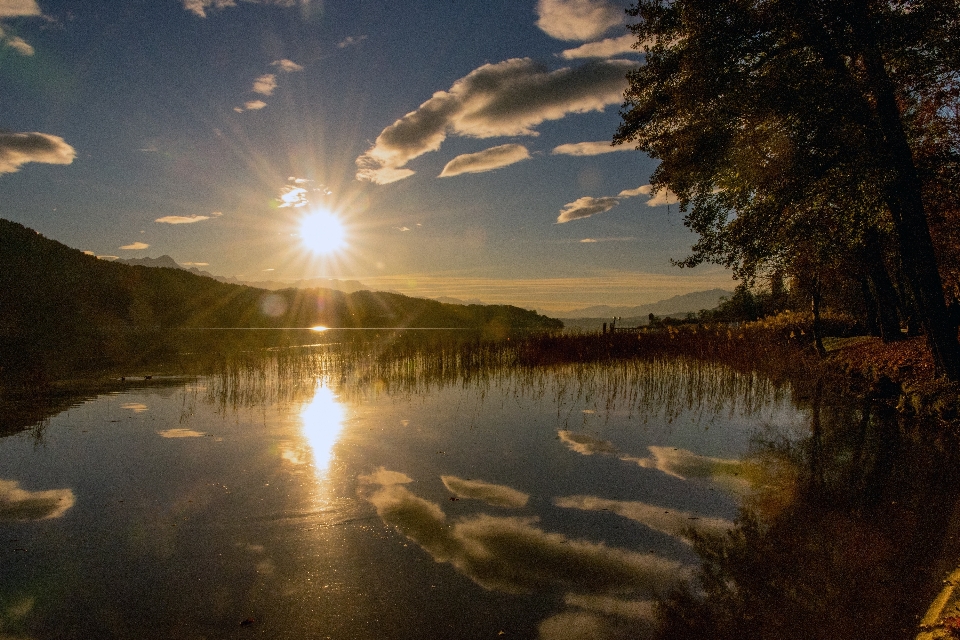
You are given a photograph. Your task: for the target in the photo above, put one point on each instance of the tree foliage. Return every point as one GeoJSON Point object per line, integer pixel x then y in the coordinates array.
{"type": "Point", "coordinates": [798, 134]}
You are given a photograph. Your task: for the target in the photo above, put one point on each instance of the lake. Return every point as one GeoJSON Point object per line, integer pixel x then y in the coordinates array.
{"type": "Point", "coordinates": [552, 502]}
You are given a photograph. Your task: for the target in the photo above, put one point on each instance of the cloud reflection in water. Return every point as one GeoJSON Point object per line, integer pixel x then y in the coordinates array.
{"type": "Point", "coordinates": [21, 504]}
{"type": "Point", "coordinates": [514, 555]}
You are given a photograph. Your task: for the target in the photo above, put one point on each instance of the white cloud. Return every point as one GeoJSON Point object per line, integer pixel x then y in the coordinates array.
{"type": "Point", "coordinates": [497, 495]}
{"type": "Point", "coordinates": [508, 98]}
{"type": "Point", "coordinates": [19, 45]}
{"type": "Point", "coordinates": [136, 246]}
{"type": "Point", "coordinates": [195, 264]}
{"type": "Point", "coordinates": [287, 66]}
{"type": "Point", "coordinates": [17, 149]}
{"type": "Point", "coordinates": [602, 49]}
{"type": "Point", "coordinates": [349, 41]}
{"type": "Point", "coordinates": [182, 219]}
{"type": "Point", "coordinates": [200, 7]}
{"type": "Point", "coordinates": [251, 105]}
{"type": "Point", "coordinates": [578, 19]}
{"type": "Point", "coordinates": [486, 160]}
{"type": "Point", "coordinates": [19, 8]}
{"type": "Point", "coordinates": [662, 197]}
{"type": "Point", "coordinates": [265, 84]}
{"type": "Point", "coordinates": [108, 258]}
{"type": "Point", "coordinates": [585, 207]}
{"type": "Point", "coordinates": [588, 148]}
{"type": "Point", "coordinates": [21, 504]}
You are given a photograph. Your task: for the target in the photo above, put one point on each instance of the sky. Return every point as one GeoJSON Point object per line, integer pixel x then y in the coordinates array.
{"type": "Point", "coordinates": [463, 146]}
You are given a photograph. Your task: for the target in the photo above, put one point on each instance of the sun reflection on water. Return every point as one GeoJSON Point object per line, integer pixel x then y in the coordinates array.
{"type": "Point", "coordinates": [322, 421]}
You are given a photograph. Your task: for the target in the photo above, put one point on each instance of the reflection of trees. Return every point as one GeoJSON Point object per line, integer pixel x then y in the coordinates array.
{"type": "Point", "coordinates": [841, 542]}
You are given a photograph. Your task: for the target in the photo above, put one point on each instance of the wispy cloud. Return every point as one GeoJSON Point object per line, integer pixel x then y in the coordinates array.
{"type": "Point", "coordinates": [595, 240]}
{"type": "Point", "coordinates": [17, 149]}
{"type": "Point", "coordinates": [135, 246]}
{"type": "Point", "coordinates": [20, 504]}
{"type": "Point", "coordinates": [200, 7]}
{"type": "Point", "coordinates": [265, 85]}
{"type": "Point", "coordinates": [287, 66]}
{"type": "Point", "coordinates": [662, 197]}
{"type": "Point", "coordinates": [589, 148]}
{"type": "Point", "coordinates": [17, 43]}
{"type": "Point", "coordinates": [585, 207]}
{"type": "Point", "coordinates": [578, 19]}
{"type": "Point", "coordinates": [350, 41]}
{"type": "Point", "coordinates": [486, 160]}
{"type": "Point", "coordinates": [186, 219]}
{"type": "Point", "coordinates": [195, 264]}
{"type": "Point", "coordinates": [18, 9]}
{"type": "Point", "coordinates": [588, 206]}
{"type": "Point", "coordinates": [508, 98]}
{"type": "Point", "coordinates": [603, 48]}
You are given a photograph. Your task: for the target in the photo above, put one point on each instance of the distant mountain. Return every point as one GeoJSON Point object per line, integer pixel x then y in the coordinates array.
{"type": "Point", "coordinates": [162, 261]}
{"type": "Point", "coordinates": [449, 300]}
{"type": "Point", "coordinates": [57, 298]}
{"type": "Point", "coordinates": [686, 303]}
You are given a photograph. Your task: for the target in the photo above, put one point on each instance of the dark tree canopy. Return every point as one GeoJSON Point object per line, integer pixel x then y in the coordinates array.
{"type": "Point", "coordinates": [791, 130]}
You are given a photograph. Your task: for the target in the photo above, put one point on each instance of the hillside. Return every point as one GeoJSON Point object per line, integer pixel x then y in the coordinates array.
{"type": "Point", "coordinates": [54, 297]}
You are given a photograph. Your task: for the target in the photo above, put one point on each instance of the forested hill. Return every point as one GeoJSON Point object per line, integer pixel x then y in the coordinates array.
{"type": "Point", "coordinates": [50, 290]}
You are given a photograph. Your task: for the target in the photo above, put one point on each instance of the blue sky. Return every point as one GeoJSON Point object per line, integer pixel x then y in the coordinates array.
{"type": "Point", "coordinates": [464, 145]}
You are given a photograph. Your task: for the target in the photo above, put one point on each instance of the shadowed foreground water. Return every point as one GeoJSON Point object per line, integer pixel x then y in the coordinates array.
{"type": "Point", "coordinates": [556, 503]}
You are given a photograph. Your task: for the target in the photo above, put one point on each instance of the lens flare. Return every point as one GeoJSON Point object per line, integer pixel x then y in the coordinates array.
{"type": "Point", "coordinates": [322, 232]}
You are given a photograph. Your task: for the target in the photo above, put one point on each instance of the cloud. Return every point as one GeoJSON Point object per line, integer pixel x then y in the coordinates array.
{"type": "Point", "coordinates": [349, 41]}
{"type": "Point", "coordinates": [200, 7]}
{"type": "Point", "coordinates": [108, 258]}
{"type": "Point", "coordinates": [588, 148]}
{"type": "Point", "coordinates": [287, 66]}
{"type": "Point", "coordinates": [293, 196]}
{"type": "Point", "coordinates": [486, 160]}
{"type": "Point", "coordinates": [18, 44]}
{"type": "Point", "coordinates": [20, 504]}
{"type": "Point", "coordinates": [265, 84]}
{"type": "Point", "coordinates": [493, 494]}
{"type": "Point", "coordinates": [19, 8]}
{"type": "Point", "coordinates": [251, 105]}
{"type": "Point", "coordinates": [602, 49]}
{"type": "Point", "coordinates": [585, 207]}
{"type": "Point", "coordinates": [662, 197]}
{"type": "Point", "coordinates": [195, 264]}
{"type": "Point", "coordinates": [17, 149]}
{"type": "Point", "coordinates": [512, 554]}
{"type": "Point", "coordinates": [136, 246]}
{"type": "Point", "coordinates": [672, 522]}
{"type": "Point", "coordinates": [182, 219]}
{"type": "Point", "coordinates": [578, 19]}
{"type": "Point", "coordinates": [508, 98]}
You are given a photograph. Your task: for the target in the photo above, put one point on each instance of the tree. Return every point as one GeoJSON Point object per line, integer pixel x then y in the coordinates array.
{"type": "Point", "coordinates": [788, 122]}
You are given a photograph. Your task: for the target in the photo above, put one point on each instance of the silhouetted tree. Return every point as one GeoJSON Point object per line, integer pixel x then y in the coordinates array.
{"type": "Point", "coordinates": [784, 120]}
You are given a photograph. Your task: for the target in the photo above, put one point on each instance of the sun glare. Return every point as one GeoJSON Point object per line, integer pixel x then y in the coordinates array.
{"type": "Point", "coordinates": [322, 232]}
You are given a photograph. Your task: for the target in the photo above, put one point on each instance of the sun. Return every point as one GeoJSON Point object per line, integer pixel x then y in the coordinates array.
{"type": "Point", "coordinates": [322, 232]}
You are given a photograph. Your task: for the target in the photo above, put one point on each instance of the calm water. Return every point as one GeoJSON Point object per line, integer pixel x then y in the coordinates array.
{"type": "Point", "coordinates": [550, 504]}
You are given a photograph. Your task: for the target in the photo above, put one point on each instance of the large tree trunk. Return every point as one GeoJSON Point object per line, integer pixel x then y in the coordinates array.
{"type": "Point", "coordinates": [884, 293]}
{"type": "Point", "coordinates": [903, 197]}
